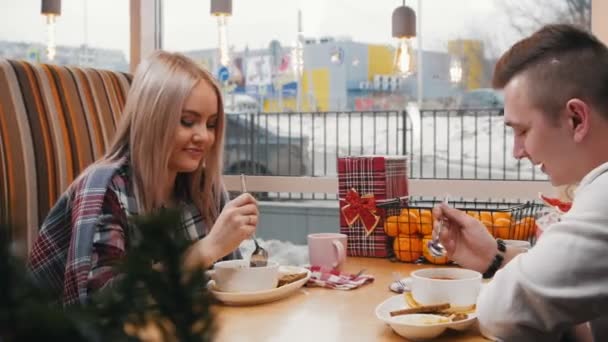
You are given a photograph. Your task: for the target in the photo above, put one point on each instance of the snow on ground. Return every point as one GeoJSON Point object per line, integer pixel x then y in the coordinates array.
{"type": "Point", "coordinates": [440, 144]}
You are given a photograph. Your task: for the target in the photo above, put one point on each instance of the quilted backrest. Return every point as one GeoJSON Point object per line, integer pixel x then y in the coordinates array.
{"type": "Point", "coordinates": [54, 121]}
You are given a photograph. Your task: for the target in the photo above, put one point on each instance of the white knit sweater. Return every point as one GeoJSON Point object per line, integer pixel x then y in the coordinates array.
{"type": "Point", "coordinates": [561, 281]}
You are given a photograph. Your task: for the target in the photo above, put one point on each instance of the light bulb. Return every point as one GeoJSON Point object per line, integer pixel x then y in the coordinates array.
{"type": "Point", "coordinates": [455, 70]}
{"type": "Point", "coordinates": [222, 26]}
{"type": "Point", "coordinates": [402, 57]}
{"type": "Point", "coordinates": [50, 43]}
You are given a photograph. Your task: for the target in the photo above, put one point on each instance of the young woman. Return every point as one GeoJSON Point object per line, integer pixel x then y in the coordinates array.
{"type": "Point", "coordinates": [167, 152]}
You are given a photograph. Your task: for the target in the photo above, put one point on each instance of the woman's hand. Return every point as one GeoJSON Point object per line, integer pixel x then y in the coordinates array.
{"type": "Point", "coordinates": [466, 240]}
{"type": "Point", "coordinates": [237, 222]}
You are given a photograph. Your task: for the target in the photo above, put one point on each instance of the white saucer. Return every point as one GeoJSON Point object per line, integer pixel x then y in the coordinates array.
{"type": "Point", "coordinates": [260, 297]}
{"type": "Point", "coordinates": [416, 331]}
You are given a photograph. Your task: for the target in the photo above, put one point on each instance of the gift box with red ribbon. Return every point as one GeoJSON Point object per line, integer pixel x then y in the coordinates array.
{"type": "Point", "coordinates": [364, 181]}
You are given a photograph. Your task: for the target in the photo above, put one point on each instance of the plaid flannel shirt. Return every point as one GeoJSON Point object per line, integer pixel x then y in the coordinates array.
{"type": "Point", "coordinates": [86, 233]}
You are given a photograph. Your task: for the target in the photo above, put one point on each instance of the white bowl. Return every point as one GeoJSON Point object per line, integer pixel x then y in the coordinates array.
{"type": "Point", "coordinates": [409, 326]}
{"type": "Point", "coordinates": [430, 286]}
{"type": "Point", "coordinates": [260, 297]}
{"type": "Point", "coordinates": [237, 276]}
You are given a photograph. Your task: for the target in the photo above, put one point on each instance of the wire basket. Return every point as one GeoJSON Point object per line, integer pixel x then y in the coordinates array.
{"type": "Point", "coordinates": [411, 223]}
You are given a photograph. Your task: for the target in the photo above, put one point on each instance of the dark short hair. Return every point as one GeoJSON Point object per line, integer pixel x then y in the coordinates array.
{"type": "Point", "coordinates": [561, 62]}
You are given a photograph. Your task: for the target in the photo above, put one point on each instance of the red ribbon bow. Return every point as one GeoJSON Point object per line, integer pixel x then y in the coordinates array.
{"type": "Point", "coordinates": [556, 203]}
{"type": "Point", "coordinates": [361, 207]}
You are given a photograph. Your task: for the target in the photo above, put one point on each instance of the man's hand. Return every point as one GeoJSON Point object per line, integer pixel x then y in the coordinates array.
{"type": "Point", "coordinates": [466, 240]}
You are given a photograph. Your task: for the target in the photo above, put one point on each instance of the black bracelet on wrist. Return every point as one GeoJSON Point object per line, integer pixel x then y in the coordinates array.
{"type": "Point", "coordinates": [494, 266]}
{"type": "Point", "coordinates": [502, 246]}
{"type": "Point", "coordinates": [497, 261]}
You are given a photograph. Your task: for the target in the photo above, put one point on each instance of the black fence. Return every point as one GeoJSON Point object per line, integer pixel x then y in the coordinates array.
{"type": "Point", "coordinates": [440, 144]}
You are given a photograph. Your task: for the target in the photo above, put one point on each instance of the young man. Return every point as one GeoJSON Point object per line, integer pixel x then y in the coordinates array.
{"type": "Point", "coordinates": [555, 84]}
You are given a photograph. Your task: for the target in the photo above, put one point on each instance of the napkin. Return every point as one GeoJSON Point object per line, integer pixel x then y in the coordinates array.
{"type": "Point", "coordinates": [334, 279]}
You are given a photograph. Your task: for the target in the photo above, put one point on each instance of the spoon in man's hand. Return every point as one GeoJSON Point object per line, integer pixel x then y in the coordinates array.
{"type": "Point", "coordinates": [435, 247]}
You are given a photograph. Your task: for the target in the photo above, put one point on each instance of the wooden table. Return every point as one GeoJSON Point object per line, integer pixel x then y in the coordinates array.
{"type": "Point", "coordinates": [321, 314]}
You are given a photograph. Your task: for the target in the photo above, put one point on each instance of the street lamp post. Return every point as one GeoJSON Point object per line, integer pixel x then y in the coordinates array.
{"type": "Point", "coordinates": [298, 62]}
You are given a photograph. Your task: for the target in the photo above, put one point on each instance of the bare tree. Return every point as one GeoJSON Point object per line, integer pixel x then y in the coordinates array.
{"type": "Point", "coordinates": [579, 12]}
{"type": "Point", "coordinates": [526, 16]}
{"type": "Point", "coordinates": [523, 17]}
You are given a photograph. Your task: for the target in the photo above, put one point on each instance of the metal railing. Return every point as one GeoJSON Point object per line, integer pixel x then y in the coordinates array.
{"type": "Point", "coordinates": [440, 144]}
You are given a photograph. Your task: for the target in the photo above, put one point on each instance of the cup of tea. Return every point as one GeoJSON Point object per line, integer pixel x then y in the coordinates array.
{"type": "Point", "coordinates": [238, 276]}
{"type": "Point", "coordinates": [457, 286]}
{"type": "Point", "coordinates": [327, 250]}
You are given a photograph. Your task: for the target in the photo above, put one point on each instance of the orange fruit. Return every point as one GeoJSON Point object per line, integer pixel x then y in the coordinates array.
{"type": "Point", "coordinates": [501, 214]}
{"type": "Point", "coordinates": [407, 247]}
{"type": "Point", "coordinates": [485, 216]}
{"type": "Point", "coordinates": [502, 227]}
{"type": "Point", "coordinates": [528, 220]}
{"type": "Point", "coordinates": [408, 211]}
{"type": "Point", "coordinates": [524, 228]}
{"type": "Point", "coordinates": [474, 214]}
{"type": "Point", "coordinates": [391, 227]}
{"type": "Point", "coordinates": [426, 222]}
{"type": "Point", "coordinates": [409, 223]}
{"type": "Point", "coordinates": [520, 232]}
{"type": "Point", "coordinates": [393, 218]}
{"type": "Point", "coordinates": [442, 260]}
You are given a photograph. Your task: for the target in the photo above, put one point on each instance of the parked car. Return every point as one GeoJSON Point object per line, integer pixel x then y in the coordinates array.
{"type": "Point", "coordinates": [240, 103]}
{"type": "Point", "coordinates": [482, 98]}
{"type": "Point", "coordinates": [254, 149]}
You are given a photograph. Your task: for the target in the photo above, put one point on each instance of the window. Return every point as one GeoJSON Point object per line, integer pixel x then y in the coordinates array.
{"type": "Point", "coordinates": [262, 35]}
{"type": "Point", "coordinates": [92, 33]}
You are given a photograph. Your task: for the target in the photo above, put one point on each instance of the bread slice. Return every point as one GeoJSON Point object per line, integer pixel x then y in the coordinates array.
{"type": "Point", "coordinates": [290, 278]}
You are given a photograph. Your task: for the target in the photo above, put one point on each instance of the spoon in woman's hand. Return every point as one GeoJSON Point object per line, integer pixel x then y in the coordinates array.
{"type": "Point", "coordinates": [259, 257]}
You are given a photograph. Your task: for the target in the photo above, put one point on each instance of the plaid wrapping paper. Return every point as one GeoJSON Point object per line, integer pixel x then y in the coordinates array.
{"type": "Point", "coordinates": [383, 176]}
{"type": "Point", "coordinates": [333, 279]}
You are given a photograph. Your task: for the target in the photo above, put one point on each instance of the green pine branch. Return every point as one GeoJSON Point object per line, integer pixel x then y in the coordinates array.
{"type": "Point", "coordinates": [163, 301]}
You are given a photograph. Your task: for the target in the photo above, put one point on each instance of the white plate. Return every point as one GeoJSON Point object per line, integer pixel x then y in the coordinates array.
{"type": "Point", "coordinates": [415, 331]}
{"type": "Point", "coordinates": [260, 297]}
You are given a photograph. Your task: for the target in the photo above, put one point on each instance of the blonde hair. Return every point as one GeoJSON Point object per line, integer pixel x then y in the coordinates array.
{"type": "Point", "coordinates": [146, 131]}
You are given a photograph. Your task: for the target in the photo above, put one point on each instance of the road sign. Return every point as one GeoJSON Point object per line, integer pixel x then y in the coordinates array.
{"type": "Point", "coordinates": [223, 74]}
{"type": "Point", "coordinates": [33, 55]}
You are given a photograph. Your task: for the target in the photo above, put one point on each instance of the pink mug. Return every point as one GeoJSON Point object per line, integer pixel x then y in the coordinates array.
{"type": "Point", "coordinates": [327, 250]}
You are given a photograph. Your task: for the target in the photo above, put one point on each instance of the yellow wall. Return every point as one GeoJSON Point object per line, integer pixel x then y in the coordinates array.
{"type": "Point", "coordinates": [379, 60]}
{"type": "Point", "coordinates": [320, 90]}
{"type": "Point", "coordinates": [272, 105]}
{"type": "Point", "coordinates": [320, 83]}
